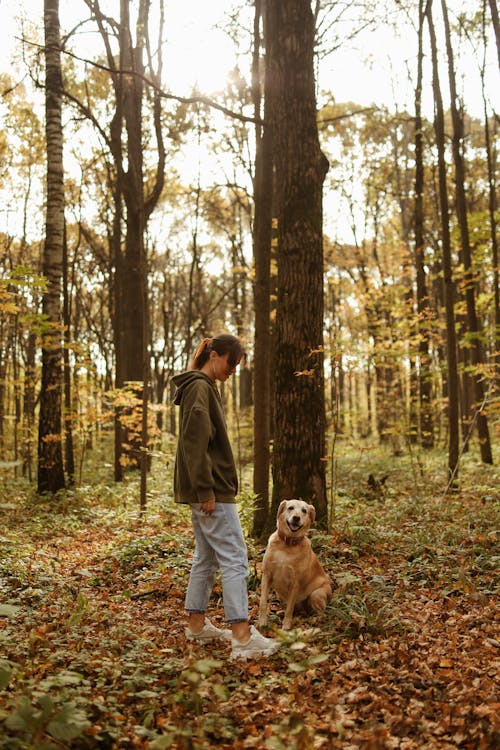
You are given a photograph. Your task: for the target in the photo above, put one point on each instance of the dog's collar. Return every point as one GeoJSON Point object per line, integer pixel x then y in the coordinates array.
{"type": "Point", "coordinates": [291, 541]}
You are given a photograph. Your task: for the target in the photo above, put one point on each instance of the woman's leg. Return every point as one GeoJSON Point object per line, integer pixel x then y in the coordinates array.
{"type": "Point", "coordinates": [202, 575]}
{"type": "Point", "coordinates": [222, 532]}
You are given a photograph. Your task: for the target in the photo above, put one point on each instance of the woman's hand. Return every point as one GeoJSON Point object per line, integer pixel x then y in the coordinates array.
{"type": "Point", "coordinates": [208, 506]}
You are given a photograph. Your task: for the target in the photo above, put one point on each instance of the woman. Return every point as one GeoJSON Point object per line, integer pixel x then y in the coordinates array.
{"type": "Point", "coordinates": [206, 479]}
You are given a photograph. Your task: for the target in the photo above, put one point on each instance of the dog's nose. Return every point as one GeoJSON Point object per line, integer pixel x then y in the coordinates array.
{"type": "Point", "coordinates": [296, 519]}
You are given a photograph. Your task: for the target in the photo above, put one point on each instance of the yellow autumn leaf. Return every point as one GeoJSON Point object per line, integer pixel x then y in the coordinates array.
{"type": "Point", "coordinates": [9, 307]}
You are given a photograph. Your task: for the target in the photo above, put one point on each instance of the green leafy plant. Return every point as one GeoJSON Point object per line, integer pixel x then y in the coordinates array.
{"type": "Point", "coordinates": [5, 673]}
{"type": "Point", "coordinates": [34, 720]}
{"type": "Point", "coordinates": [200, 690]}
{"type": "Point", "coordinates": [361, 613]}
{"type": "Point", "coordinates": [292, 733]}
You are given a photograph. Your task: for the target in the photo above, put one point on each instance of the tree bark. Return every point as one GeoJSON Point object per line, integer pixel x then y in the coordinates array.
{"type": "Point", "coordinates": [473, 325]}
{"type": "Point", "coordinates": [423, 308]}
{"type": "Point", "coordinates": [492, 207]}
{"type": "Point", "coordinates": [128, 288]}
{"type": "Point", "coordinates": [133, 192]}
{"type": "Point", "coordinates": [50, 458]}
{"type": "Point", "coordinates": [299, 445]}
{"type": "Point", "coordinates": [496, 25]}
{"type": "Point", "coordinates": [449, 287]}
{"type": "Point", "coordinates": [263, 201]}
{"type": "Point", "coordinates": [29, 405]}
{"type": "Point", "coordinates": [68, 405]}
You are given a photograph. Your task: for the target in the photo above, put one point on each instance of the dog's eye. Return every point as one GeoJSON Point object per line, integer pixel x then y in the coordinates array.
{"type": "Point", "coordinates": [304, 510]}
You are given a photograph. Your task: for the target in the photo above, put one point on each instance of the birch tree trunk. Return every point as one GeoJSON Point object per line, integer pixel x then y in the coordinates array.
{"type": "Point", "coordinates": [50, 458]}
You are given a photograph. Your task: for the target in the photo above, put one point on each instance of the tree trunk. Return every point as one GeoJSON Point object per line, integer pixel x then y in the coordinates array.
{"type": "Point", "coordinates": [496, 25]}
{"type": "Point", "coordinates": [127, 288]}
{"type": "Point", "coordinates": [128, 292]}
{"type": "Point", "coordinates": [194, 265]}
{"type": "Point", "coordinates": [116, 285]}
{"type": "Point", "coordinates": [299, 445]}
{"type": "Point", "coordinates": [492, 208]}
{"type": "Point", "coordinates": [29, 406]}
{"type": "Point", "coordinates": [407, 408]}
{"type": "Point", "coordinates": [478, 408]}
{"type": "Point", "coordinates": [116, 281]}
{"type": "Point", "coordinates": [133, 192]}
{"type": "Point", "coordinates": [423, 308]}
{"type": "Point", "coordinates": [116, 294]}
{"type": "Point", "coordinates": [449, 289]}
{"type": "Point", "coordinates": [335, 302]}
{"type": "Point", "coordinates": [68, 406]}
{"type": "Point", "coordinates": [7, 335]}
{"type": "Point", "coordinates": [50, 458]}
{"type": "Point", "coordinates": [263, 201]}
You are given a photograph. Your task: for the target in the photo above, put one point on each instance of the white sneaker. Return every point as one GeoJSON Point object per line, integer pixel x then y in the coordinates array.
{"type": "Point", "coordinates": [257, 645]}
{"type": "Point", "coordinates": [209, 632]}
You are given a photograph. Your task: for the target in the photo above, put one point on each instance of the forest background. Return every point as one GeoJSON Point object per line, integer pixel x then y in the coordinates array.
{"type": "Point", "coordinates": [140, 217]}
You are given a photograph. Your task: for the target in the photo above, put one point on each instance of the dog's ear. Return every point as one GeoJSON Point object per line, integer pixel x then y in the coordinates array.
{"type": "Point", "coordinates": [312, 512]}
{"type": "Point", "coordinates": [282, 507]}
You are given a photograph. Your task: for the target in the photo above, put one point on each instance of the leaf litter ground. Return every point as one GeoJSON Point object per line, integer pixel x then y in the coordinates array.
{"type": "Point", "coordinates": [92, 646]}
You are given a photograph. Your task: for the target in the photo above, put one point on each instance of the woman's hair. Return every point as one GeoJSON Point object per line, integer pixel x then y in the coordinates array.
{"type": "Point", "coordinates": [222, 344]}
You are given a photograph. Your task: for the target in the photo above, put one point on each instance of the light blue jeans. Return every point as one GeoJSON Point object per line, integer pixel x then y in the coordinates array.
{"type": "Point", "coordinates": [220, 545]}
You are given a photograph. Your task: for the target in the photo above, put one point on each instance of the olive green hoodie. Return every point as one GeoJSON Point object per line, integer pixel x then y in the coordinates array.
{"type": "Point", "coordinates": [204, 463]}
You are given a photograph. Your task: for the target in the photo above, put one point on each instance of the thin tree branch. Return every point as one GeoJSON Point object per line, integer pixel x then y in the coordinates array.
{"type": "Point", "coordinates": [133, 73]}
{"type": "Point", "coordinates": [328, 120]}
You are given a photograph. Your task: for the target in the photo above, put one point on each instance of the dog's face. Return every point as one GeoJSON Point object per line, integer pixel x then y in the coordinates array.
{"type": "Point", "coordinates": [295, 517]}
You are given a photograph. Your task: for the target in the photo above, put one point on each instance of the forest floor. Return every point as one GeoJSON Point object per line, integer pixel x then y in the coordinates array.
{"type": "Point", "coordinates": [407, 655]}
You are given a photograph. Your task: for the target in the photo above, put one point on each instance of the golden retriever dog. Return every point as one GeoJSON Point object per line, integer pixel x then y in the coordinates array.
{"type": "Point", "coordinates": [290, 567]}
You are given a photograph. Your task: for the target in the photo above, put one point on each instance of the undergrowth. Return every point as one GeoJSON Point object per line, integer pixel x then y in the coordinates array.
{"type": "Point", "coordinates": [91, 633]}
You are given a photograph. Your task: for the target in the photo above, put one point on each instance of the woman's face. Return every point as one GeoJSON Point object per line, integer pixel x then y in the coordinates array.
{"type": "Point", "coordinates": [221, 368]}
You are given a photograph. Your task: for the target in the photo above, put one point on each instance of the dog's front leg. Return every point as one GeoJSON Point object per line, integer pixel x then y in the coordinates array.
{"type": "Point", "coordinates": [264, 596]}
{"type": "Point", "coordinates": [290, 605]}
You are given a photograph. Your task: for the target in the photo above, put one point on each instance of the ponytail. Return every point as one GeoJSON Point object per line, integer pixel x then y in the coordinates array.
{"type": "Point", "coordinates": [201, 354]}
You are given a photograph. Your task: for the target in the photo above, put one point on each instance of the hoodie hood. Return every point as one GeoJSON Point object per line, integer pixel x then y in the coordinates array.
{"type": "Point", "coordinates": [184, 379]}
